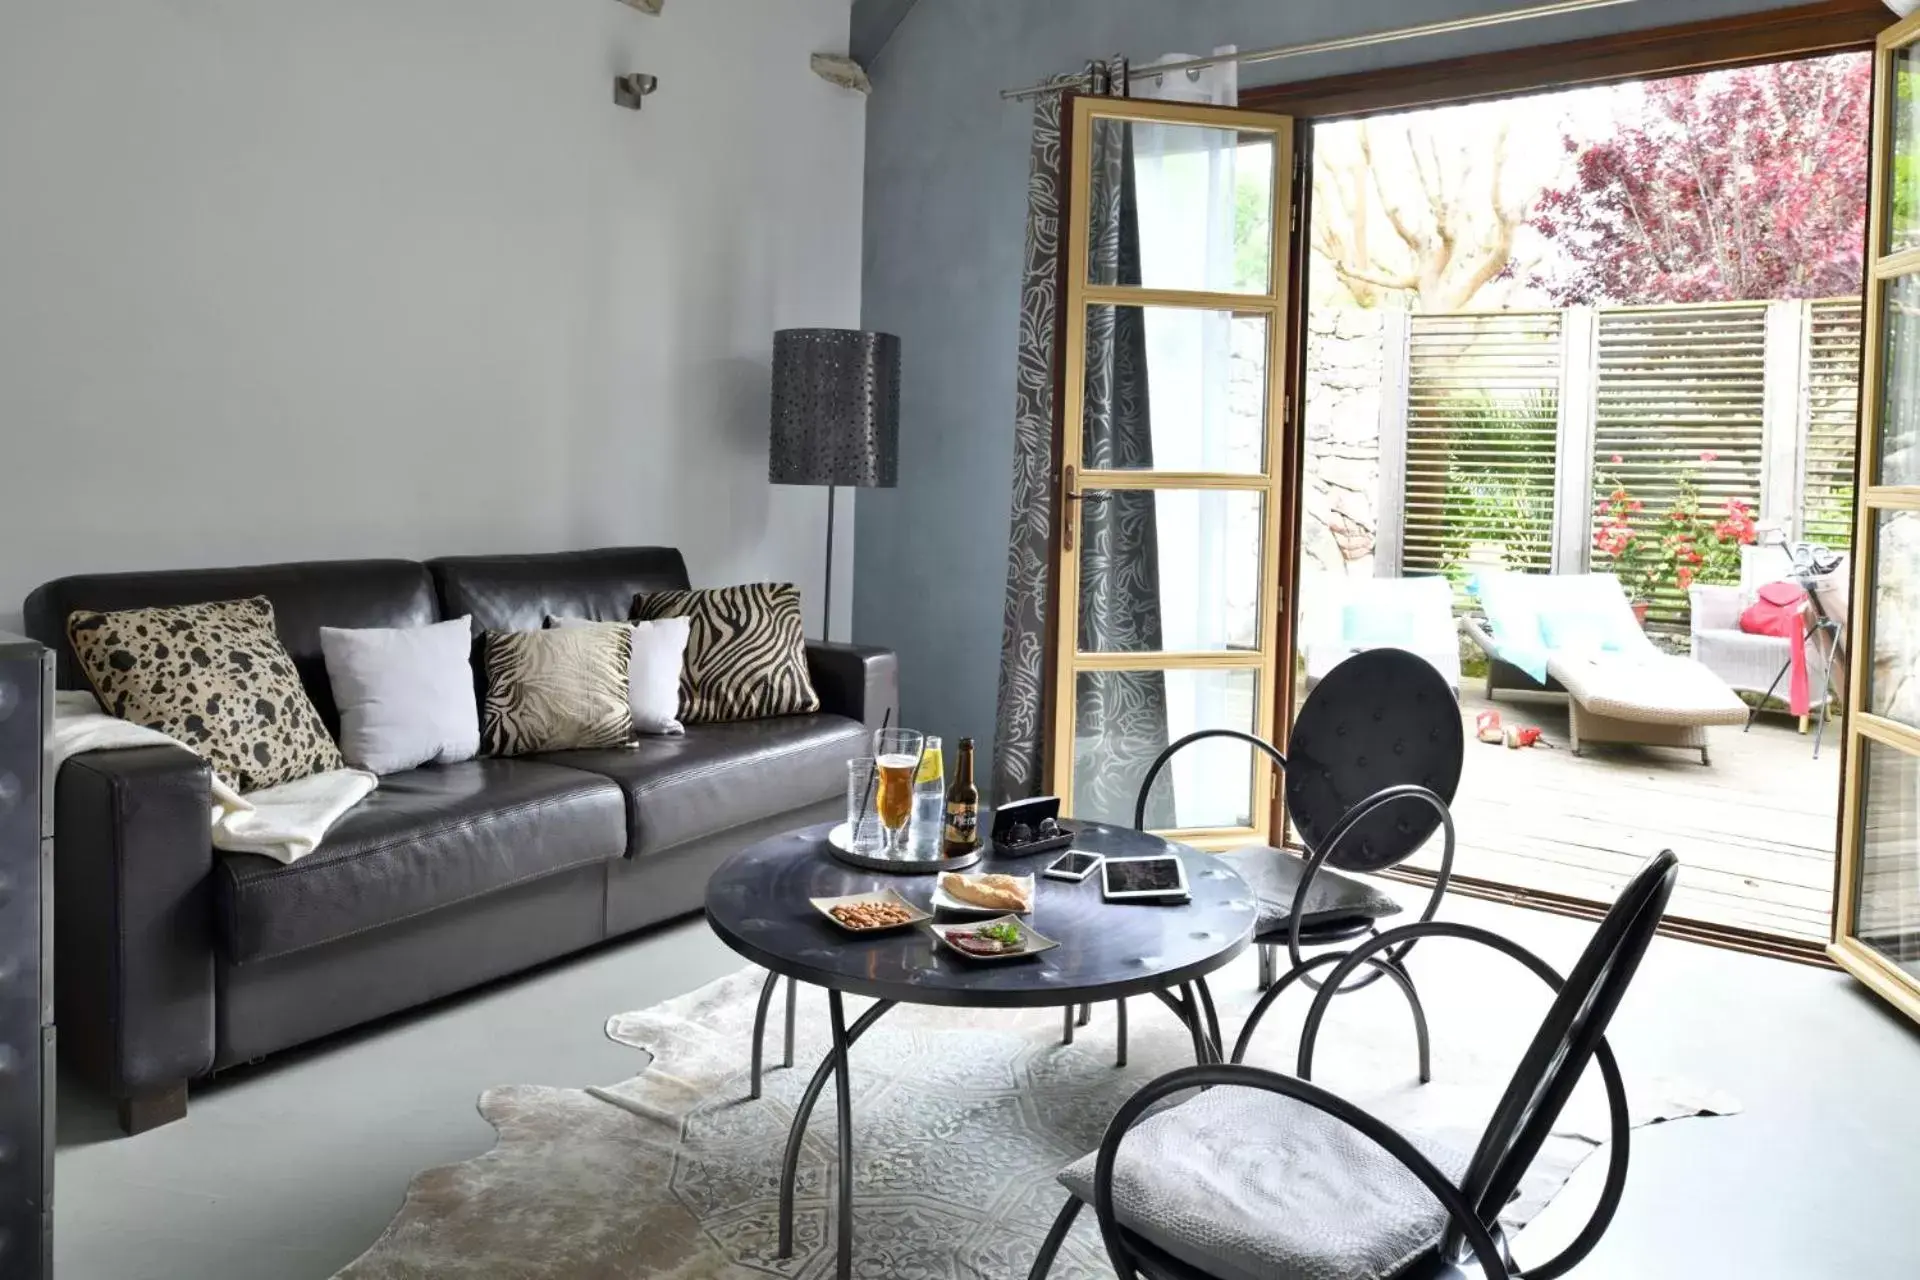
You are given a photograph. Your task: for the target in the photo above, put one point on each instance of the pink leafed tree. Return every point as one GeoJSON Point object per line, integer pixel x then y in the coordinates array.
{"type": "Point", "coordinates": [1725, 186]}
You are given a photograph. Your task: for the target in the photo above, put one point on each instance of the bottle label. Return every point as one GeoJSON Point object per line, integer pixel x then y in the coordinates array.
{"type": "Point", "coordinates": [963, 824]}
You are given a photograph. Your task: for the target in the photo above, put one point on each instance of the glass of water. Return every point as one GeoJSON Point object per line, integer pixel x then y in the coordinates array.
{"type": "Point", "coordinates": [928, 823]}
{"type": "Point", "coordinates": [863, 817]}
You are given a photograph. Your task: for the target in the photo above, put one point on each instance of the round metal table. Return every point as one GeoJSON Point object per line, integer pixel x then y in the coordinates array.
{"type": "Point", "coordinates": [757, 902]}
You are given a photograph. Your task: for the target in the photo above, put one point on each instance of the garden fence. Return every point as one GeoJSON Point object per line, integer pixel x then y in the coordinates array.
{"type": "Point", "coordinates": [1501, 430]}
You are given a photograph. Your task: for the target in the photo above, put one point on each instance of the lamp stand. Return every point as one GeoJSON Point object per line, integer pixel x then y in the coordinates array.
{"type": "Point", "coordinates": [826, 595]}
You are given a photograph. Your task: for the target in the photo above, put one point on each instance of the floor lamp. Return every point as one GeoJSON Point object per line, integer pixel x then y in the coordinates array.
{"type": "Point", "coordinates": [836, 418]}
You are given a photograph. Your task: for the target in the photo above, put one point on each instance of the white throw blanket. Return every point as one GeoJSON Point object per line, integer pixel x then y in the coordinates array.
{"type": "Point", "coordinates": [284, 823]}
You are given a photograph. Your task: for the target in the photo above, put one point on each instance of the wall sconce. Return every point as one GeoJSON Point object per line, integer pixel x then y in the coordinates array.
{"type": "Point", "coordinates": [631, 90]}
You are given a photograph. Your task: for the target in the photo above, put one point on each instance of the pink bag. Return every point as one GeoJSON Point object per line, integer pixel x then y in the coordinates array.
{"type": "Point", "coordinates": [1781, 611]}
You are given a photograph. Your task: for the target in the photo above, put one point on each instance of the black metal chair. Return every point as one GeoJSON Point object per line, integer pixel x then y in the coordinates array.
{"type": "Point", "coordinates": [1377, 750]}
{"type": "Point", "coordinates": [1377, 1203]}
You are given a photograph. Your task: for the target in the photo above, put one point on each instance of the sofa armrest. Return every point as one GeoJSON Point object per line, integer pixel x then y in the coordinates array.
{"type": "Point", "coordinates": [133, 924]}
{"type": "Point", "coordinates": [855, 681]}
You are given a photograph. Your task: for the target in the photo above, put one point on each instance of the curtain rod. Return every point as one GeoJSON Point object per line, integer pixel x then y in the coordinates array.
{"type": "Point", "coordinates": [1337, 44]}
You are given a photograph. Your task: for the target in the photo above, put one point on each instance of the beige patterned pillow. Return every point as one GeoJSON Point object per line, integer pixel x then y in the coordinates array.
{"type": "Point", "coordinates": [746, 651]}
{"type": "Point", "coordinates": [556, 690]}
{"type": "Point", "coordinates": [213, 676]}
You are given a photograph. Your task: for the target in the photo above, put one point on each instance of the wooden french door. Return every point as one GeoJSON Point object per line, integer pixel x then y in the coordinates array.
{"type": "Point", "coordinates": [1175, 520]}
{"type": "Point", "coordinates": [1877, 911]}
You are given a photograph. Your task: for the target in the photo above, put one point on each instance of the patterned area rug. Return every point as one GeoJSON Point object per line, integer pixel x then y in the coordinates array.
{"type": "Point", "coordinates": [961, 1120]}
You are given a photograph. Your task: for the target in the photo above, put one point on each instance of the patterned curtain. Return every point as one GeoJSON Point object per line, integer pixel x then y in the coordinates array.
{"type": "Point", "coordinates": [1120, 717]}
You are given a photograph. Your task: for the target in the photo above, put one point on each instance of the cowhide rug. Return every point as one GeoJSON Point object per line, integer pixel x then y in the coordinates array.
{"type": "Point", "coordinates": [961, 1120]}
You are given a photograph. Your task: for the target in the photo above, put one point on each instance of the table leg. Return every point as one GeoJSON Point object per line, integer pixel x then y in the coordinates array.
{"type": "Point", "coordinates": [843, 1098]}
{"type": "Point", "coordinates": [1215, 1045]}
{"type": "Point", "coordinates": [760, 1031]}
{"type": "Point", "coordinates": [1066, 1025]}
{"type": "Point", "coordinates": [797, 1132]}
{"type": "Point", "coordinates": [1120, 1032]}
{"type": "Point", "coordinates": [793, 1001]}
{"type": "Point", "coordinates": [1086, 1015]}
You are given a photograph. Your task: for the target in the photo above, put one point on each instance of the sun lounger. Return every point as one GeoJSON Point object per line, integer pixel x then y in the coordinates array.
{"type": "Point", "coordinates": [1621, 687]}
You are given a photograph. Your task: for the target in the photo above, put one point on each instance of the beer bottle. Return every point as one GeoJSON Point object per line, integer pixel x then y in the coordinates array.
{"type": "Point", "coordinates": [963, 806]}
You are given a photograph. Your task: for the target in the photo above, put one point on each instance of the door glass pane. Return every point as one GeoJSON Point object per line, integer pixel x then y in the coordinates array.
{"type": "Point", "coordinates": [1903, 174]}
{"type": "Point", "coordinates": [1123, 719]}
{"type": "Point", "coordinates": [1886, 913]}
{"type": "Point", "coordinates": [1175, 389]}
{"type": "Point", "coordinates": [1176, 206]}
{"type": "Point", "coordinates": [1900, 383]}
{"type": "Point", "coordinates": [1893, 682]}
{"type": "Point", "coordinates": [1170, 570]}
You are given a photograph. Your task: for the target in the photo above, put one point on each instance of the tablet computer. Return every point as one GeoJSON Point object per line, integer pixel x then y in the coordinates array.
{"type": "Point", "coordinates": [1160, 876]}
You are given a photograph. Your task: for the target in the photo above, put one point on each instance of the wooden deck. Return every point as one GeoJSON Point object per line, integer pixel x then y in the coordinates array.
{"type": "Point", "coordinates": [1755, 830]}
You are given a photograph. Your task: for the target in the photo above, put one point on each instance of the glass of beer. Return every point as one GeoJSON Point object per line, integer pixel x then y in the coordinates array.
{"type": "Point", "coordinates": [896, 754]}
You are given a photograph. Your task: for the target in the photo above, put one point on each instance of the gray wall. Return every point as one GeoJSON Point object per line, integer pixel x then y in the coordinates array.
{"type": "Point", "coordinates": [945, 204]}
{"type": "Point", "coordinates": [395, 277]}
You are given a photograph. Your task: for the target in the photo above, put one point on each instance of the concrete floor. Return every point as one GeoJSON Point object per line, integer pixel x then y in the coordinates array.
{"type": "Point", "coordinates": [288, 1170]}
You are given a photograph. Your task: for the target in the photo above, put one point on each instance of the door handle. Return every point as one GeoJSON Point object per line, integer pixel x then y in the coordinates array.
{"type": "Point", "coordinates": [1069, 506]}
{"type": "Point", "coordinates": [1072, 498]}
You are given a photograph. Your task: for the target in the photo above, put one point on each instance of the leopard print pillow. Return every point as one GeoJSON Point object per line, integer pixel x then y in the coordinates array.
{"type": "Point", "coordinates": [212, 676]}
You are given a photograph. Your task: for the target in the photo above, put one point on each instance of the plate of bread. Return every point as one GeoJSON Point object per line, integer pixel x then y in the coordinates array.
{"type": "Point", "coordinates": [989, 894]}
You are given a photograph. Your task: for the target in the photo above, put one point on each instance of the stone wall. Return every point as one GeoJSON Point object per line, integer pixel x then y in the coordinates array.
{"type": "Point", "coordinates": [1342, 490]}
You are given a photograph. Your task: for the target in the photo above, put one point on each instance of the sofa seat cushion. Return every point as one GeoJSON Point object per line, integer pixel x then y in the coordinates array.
{"type": "Point", "coordinates": [718, 776]}
{"type": "Point", "coordinates": [427, 838]}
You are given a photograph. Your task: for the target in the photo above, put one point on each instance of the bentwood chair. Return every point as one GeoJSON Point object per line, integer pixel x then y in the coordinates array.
{"type": "Point", "coordinates": [1274, 1178]}
{"type": "Point", "coordinates": [1376, 755]}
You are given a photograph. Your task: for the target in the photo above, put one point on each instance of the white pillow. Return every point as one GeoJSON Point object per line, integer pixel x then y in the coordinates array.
{"type": "Point", "coordinates": [405, 694]}
{"type": "Point", "coordinates": [653, 673]}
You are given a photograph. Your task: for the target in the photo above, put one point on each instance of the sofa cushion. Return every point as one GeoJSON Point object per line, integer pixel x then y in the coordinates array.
{"type": "Point", "coordinates": [213, 676]}
{"type": "Point", "coordinates": [718, 776]}
{"type": "Point", "coordinates": [746, 651]}
{"type": "Point", "coordinates": [548, 690]}
{"type": "Point", "coordinates": [427, 838]}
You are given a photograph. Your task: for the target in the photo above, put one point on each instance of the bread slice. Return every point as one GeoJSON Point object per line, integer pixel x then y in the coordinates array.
{"type": "Point", "coordinates": [1000, 892]}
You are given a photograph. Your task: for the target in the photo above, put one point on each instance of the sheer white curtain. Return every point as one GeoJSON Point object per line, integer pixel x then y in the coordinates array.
{"type": "Point", "coordinates": [1185, 182]}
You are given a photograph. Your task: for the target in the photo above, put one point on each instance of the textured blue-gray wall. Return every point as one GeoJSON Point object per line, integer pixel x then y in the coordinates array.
{"type": "Point", "coordinates": [944, 224]}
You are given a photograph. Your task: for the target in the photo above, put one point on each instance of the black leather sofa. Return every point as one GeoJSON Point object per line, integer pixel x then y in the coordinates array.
{"type": "Point", "coordinates": [173, 961]}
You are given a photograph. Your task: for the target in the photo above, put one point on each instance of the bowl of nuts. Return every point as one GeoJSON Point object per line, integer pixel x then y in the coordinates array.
{"type": "Point", "coordinates": [870, 912]}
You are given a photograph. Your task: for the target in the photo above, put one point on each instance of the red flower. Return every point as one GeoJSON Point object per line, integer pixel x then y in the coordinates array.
{"type": "Point", "coordinates": [1685, 577]}
{"type": "Point", "coordinates": [1616, 459]}
{"type": "Point", "coordinates": [1619, 495]}
{"type": "Point", "coordinates": [1709, 456]}
{"type": "Point", "coordinates": [1635, 505]}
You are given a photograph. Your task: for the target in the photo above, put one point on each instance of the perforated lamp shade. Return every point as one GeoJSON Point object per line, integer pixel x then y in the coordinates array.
{"type": "Point", "coordinates": [836, 418]}
{"type": "Point", "coordinates": [836, 408]}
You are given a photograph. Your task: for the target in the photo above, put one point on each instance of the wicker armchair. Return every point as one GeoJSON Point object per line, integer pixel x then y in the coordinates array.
{"type": "Point", "coordinates": [1749, 663]}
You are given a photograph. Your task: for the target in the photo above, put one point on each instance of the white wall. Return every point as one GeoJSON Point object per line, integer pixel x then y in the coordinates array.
{"type": "Point", "coordinates": [287, 278]}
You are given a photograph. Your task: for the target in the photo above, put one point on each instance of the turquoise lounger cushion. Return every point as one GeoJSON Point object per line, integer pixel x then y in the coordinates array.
{"type": "Point", "coordinates": [1514, 618]}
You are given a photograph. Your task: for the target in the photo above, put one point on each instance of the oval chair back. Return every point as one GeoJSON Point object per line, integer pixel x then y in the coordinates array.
{"type": "Point", "coordinates": [1567, 1039]}
{"type": "Point", "coordinates": [1382, 718]}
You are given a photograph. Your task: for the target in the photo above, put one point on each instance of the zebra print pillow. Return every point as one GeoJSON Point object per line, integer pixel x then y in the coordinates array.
{"type": "Point", "coordinates": [746, 652]}
{"type": "Point", "coordinates": [556, 690]}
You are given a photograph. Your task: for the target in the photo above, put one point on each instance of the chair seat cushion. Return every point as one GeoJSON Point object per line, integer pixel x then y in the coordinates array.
{"type": "Point", "coordinates": [1249, 1185]}
{"type": "Point", "coordinates": [718, 776]}
{"type": "Point", "coordinates": [1337, 903]}
{"type": "Point", "coordinates": [427, 838]}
